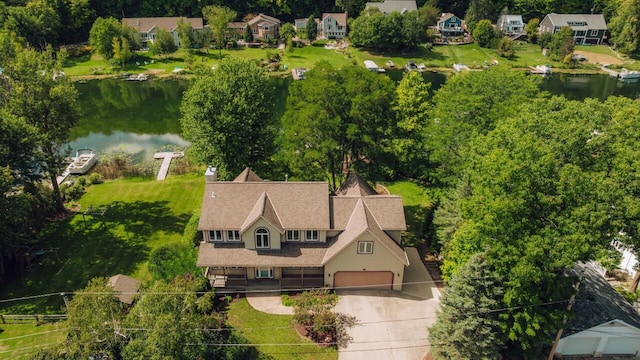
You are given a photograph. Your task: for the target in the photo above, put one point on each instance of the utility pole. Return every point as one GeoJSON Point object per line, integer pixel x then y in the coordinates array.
{"type": "Point", "coordinates": [66, 301]}
{"type": "Point", "coordinates": [572, 300]}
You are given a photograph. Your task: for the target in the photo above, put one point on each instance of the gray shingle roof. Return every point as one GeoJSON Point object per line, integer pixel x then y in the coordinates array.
{"type": "Point", "coordinates": [166, 23]}
{"type": "Point", "coordinates": [389, 6]}
{"type": "Point", "coordinates": [597, 303]}
{"type": "Point", "coordinates": [224, 254]}
{"type": "Point", "coordinates": [592, 21]}
{"type": "Point", "coordinates": [125, 287]}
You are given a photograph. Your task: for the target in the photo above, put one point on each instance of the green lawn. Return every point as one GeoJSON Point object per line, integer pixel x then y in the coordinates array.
{"type": "Point", "coordinates": [142, 215]}
{"type": "Point", "coordinates": [261, 328]}
{"type": "Point", "coordinates": [418, 202]}
{"type": "Point", "coordinates": [19, 341]}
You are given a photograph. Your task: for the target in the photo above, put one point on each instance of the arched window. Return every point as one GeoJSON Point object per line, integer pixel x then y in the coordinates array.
{"type": "Point", "coordinates": [262, 238]}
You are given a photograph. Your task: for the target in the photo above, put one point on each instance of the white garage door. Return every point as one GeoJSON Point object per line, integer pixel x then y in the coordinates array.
{"type": "Point", "coordinates": [579, 346]}
{"type": "Point", "coordinates": [363, 279]}
{"type": "Point", "coordinates": [621, 346]}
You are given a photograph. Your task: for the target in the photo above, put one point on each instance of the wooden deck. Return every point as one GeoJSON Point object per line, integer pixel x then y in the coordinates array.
{"type": "Point", "coordinates": [166, 161]}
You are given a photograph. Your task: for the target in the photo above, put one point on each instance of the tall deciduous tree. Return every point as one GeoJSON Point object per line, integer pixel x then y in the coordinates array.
{"type": "Point", "coordinates": [625, 27]}
{"type": "Point", "coordinates": [484, 33]}
{"type": "Point", "coordinates": [532, 29]}
{"type": "Point", "coordinates": [47, 101]}
{"type": "Point", "coordinates": [337, 120]}
{"type": "Point", "coordinates": [121, 51]}
{"type": "Point", "coordinates": [218, 18]}
{"type": "Point", "coordinates": [163, 44]}
{"type": "Point", "coordinates": [101, 36]}
{"type": "Point", "coordinates": [467, 326]}
{"type": "Point", "coordinates": [562, 43]}
{"type": "Point", "coordinates": [228, 116]}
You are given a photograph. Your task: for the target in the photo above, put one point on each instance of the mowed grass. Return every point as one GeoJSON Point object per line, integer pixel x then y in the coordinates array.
{"type": "Point", "coordinates": [261, 328]}
{"type": "Point", "coordinates": [20, 341]}
{"type": "Point", "coordinates": [141, 215]}
{"type": "Point", "coordinates": [418, 202]}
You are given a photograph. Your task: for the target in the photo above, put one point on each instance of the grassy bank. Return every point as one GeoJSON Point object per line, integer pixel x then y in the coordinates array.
{"type": "Point", "coordinates": [20, 341]}
{"type": "Point", "coordinates": [141, 215]}
{"type": "Point", "coordinates": [439, 57]}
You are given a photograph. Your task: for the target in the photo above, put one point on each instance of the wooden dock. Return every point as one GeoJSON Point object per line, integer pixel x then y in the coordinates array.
{"type": "Point", "coordinates": [611, 72]}
{"type": "Point", "coordinates": [166, 161]}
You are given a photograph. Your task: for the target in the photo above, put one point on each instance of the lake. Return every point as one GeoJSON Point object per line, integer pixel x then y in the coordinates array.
{"type": "Point", "coordinates": [141, 118]}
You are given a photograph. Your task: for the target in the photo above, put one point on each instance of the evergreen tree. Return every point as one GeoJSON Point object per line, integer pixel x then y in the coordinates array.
{"type": "Point", "coordinates": [467, 325]}
{"type": "Point", "coordinates": [312, 28]}
{"type": "Point", "coordinates": [248, 34]}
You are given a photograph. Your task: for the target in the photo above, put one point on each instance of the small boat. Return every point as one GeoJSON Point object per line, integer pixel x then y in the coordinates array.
{"type": "Point", "coordinates": [139, 77]}
{"type": "Point", "coordinates": [82, 162]}
{"type": "Point", "coordinates": [421, 67]}
{"type": "Point", "coordinates": [541, 69]}
{"type": "Point", "coordinates": [390, 64]}
{"type": "Point", "coordinates": [460, 67]}
{"type": "Point", "coordinates": [372, 66]}
{"type": "Point", "coordinates": [298, 73]}
{"type": "Point", "coordinates": [411, 66]}
{"type": "Point", "coordinates": [628, 74]}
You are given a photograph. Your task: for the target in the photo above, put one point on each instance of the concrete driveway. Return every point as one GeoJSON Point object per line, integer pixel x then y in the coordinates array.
{"type": "Point", "coordinates": [391, 325]}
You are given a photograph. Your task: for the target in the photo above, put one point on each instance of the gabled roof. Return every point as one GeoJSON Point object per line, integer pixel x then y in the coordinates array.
{"type": "Point", "coordinates": [341, 18]}
{"type": "Point", "coordinates": [247, 175]}
{"type": "Point", "coordinates": [292, 254]}
{"type": "Point", "coordinates": [597, 303]}
{"type": "Point", "coordinates": [578, 21]}
{"type": "Point", "coordinates": [237, 25]}
{"type": "Point", "coordinates": [389, 6]}
{"type": "Point", "coordinates": [363, 222]}
{"type": "Point", "coordinates": [263, 18]}
{"type": "Point", "coordinates": [166, 23]}
{"type": "Point", "coordinates": [355, 185]}
{"type": "Point", "coordinates": [125, 287]}
{"type": "Point", "coordinates": [227, 205]}
{"type": "Point", "coordinates": [508, 18]}
{"type": "Point", "coordinates": [446, 16]}
{"type": "Point", "coordinates": [263, 209]}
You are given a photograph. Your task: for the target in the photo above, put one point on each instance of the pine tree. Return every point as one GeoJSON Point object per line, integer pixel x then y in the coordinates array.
{"type": "Point", "coordinates": [465, 327]}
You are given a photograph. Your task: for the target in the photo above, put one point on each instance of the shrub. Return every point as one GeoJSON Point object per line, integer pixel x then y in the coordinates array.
{"type": "Point", "coordinates": [191, 235]}
{"type": "Point", "coordinates": [505, 48]}
{"type": "Point", "coordinates": [95, 178]}
{"type": "Point", "coordinates": [169, 261]}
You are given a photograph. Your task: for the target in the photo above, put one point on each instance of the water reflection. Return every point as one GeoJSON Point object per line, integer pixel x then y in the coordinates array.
{"type": "Point", "coordinates": [580, 87]}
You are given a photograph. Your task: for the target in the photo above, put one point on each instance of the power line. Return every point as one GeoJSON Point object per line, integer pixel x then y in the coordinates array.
{"type": "Point", "coordinates": [36, 334]}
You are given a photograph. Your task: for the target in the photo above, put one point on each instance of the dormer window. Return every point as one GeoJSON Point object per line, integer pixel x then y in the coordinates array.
{"type": "Point", "coordinates": [215, 235]}
{"type": "Point", "coordinates": [293, 235]}
{"type": "Point", "coordinates": [262, 238]}
{"type": "Point", "coordinates": [311, 235]}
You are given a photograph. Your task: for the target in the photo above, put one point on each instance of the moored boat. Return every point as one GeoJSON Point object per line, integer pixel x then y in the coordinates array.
{"type": "Point", "coordinates": [82, 162]}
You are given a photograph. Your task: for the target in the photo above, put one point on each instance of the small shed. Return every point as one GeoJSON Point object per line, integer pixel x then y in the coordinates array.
{"type": "Point", "coordinates": [603, 323]}
{"type": "Point", "coordinates": [125, 287]}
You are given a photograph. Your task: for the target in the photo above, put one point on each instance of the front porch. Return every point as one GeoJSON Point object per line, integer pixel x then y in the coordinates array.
{"type": "Point", "coordinates": [228, 279]}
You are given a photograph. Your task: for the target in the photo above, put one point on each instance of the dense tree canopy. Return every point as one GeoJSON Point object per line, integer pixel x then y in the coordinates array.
{"type": "Point", "coordinates": [625, 27]}
{"type": "Point", "coordinates": [228, 116]}
{"type": "Point", "coordinates": [394, 31]}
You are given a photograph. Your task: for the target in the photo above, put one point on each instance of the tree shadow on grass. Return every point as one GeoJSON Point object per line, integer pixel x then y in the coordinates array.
{"type": "Point", "coordinates": [93, 246]}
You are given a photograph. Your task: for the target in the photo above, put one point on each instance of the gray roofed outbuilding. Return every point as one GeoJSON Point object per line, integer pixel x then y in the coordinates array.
{"type": "Point", "coordinates": [125, 287]}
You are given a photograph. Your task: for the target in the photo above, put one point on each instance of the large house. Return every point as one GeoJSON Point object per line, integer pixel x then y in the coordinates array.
{"type": "Point", "coordinates": [333, 25]}
{"type": "Point", "coordinates": [511, 25]}
{"type": "Point", "coordinates": [587, 28]}
{"type": "Point", "coordinates": [450, 25]}
{"type": "Point", "coordinates": [603, 323]}
{"type": "Point", "coordinates": [148, 27]}
{"type": "Point", "coordinates": [389, 6]}
{"type": "Point", "coordinates": [294, 234]}
{"type": "Point", "coordinates": [264, 27]}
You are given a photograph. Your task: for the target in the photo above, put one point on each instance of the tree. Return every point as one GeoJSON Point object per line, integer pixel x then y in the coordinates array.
{"type": "Point", "coordinates": [337, 120]}
{"type": "Point", "coordinates": [313, 309]}
{"type": "Point", "coordinates": [430, 14]}
{"type": "Point", "coordinates": [351, 6]}
{"type": "Point", "coordinates": [478, 10]}
{"type": "Point", "coordinates": [121, 51]}
{"type": "Point", "coordinates": [532, 29]}
{"type": "Point", "coordinates": [484, 33]}
{"type": "Point", "coordinates": [625, 27]}
{"type": "Point", "coordinates": [562, 43]}
{"type": "Point", "coordinates": [47, 101]}
{"type": "Point", "coordinates": [545, 40]}
{"type": "Point", "coordinates": [163, 44]}
{"type": "Point", "coordinates": [218, 17]}
{"type": "Point", "coordinates": [95, 316]}
{"type": "Point", "coordinates": [101, 36]}
{"type": "Point", "coordinates": [248, 34]}
{"type": "Point", "coordinates": [412, 106]}
{"type": "Point", "coordinates": [185, 35]}
{"type": "Point", "coordinates": [505, 47]}
{"type": "Point", "coordinates": [467, 326]}
{"type": "Point", "coordinates": [287, 32]}
{"type": "Point", "coordinates": [228, 116]}
{"type": "Point", "coordinates": [414, 29]}
{"type": "Point", "coordinates": [312, 28]}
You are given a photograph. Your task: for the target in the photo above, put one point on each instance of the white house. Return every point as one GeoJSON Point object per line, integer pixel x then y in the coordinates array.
{"type": "Point", "coordinates": [603, 323]}
{"type": "Point", "coordinates": [629, 262]}
{"type": "Point", "coordinates": [511, 25]}
{"type": "Point", "coordinates": [333, 25]}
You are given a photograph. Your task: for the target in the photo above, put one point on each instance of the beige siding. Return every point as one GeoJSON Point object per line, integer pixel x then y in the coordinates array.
{"type": "Point", "coordinates": [380, 260]}
{"type": "Point", "coordinates": [395, 235]}
{"type": "Point", "coordinates": [249, 236]}
{"type": "Point", "coordinates": [251, 273]}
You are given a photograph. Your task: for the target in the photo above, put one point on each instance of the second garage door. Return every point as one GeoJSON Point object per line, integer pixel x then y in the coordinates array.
{"type": "Point", "coordinates": [363, 279]}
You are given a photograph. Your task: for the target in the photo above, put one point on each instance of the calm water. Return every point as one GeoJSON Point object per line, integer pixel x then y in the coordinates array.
{"type": "Point", "coordinates": [143, 117]}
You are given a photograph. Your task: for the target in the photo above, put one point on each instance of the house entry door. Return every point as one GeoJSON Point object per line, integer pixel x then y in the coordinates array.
{"type": "Point", "coordinates": [264, 273]}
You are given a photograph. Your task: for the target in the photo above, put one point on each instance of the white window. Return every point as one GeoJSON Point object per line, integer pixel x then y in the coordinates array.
{"type": "Point", "coordinates": [215, 235]}
{"type": "Point", "coordinates": [593, 32]}
{"type": "Point", "coordinates": [262, 273]}
{"type": "Point", "coordinates": [262, 238]}
{"type": "Point", "coordinates": [365, 247]}
{"type": "Point", "coordinates": [311, 235]}
{"type": "Point", "coordinates": [293, 235]}
{"type": "Point", "coordinates": [233, 235]}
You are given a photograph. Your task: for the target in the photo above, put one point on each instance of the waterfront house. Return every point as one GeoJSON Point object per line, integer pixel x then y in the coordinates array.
{"type": "Point", "coordinates": [588, 29]}
{"type": "Point", "coordinates": [148, 27]}
{"type": "Point", "coordinates": [511, 25]}
{"type": "Point", "coordinates": [450, 25]}
{"type": "Point", "coordinates": [295, 234]}
{"type": "Point", "coordinates": [264, 27]}
{"type": "Point", "coordinates": [333, 26]}
{"type": "Point", "coordinates": [389, 6]}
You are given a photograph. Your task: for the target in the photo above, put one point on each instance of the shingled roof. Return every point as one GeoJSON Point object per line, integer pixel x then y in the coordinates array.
{"type": "Point", "coordinates": [125, 287]}
{"type": "Point", "coordinates": [355, 185]}
{"type": "Point", "coordinates": [166, 23]}
{"type": "Point", "coordinates": [597, 303]}
{"type": "Point", "coordinates": [225, 254]}
{"type": "Point", "coordinates": [247, 175]}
